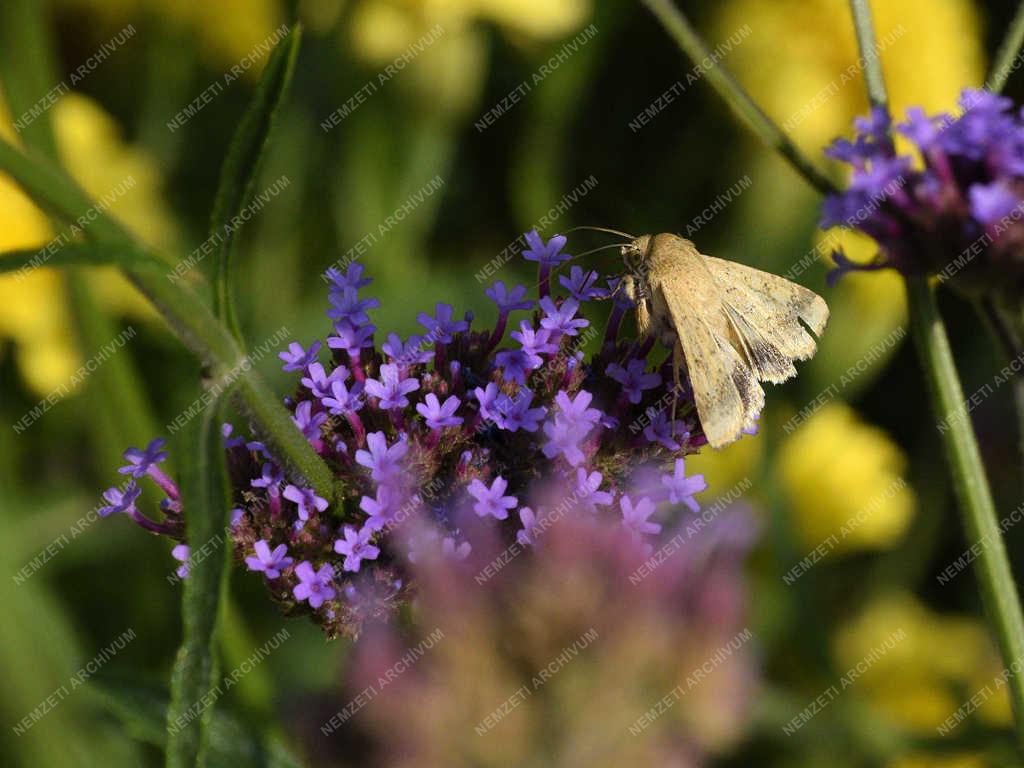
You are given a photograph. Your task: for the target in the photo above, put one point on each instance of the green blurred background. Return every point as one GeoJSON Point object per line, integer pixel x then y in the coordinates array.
{"type": "Point", "coordinates": [869, 452]}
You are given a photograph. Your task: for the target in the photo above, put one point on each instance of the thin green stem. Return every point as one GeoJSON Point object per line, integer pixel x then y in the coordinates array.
{"type": "Point", "coordinates": [185, 312]}
{"type": "Point", "coordinates": [687, 38]}
{"type": "Point", "coordinates": [1006, 59]}
{"type": "Point", "coordinates": [992, 566]}
{"type": "Point", "coordinates": [869, 53]}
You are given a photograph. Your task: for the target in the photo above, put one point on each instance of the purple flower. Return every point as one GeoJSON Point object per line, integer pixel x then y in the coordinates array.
{"type": "Point", "coordinates": [992, 202]}
{"type": "Point", "coordinates": [139, 462]}
{"type": "Point", "coordinates": [578, 409]}
{"type": "Point", "coordinates": [348, 306]}
{"type": "Point", "coordinates": [229, 441]}
{"type": "Point", "coordinates": [271, 563]}
{"type": "Point", "coordinates": [519, 362]}
{"type": "Point", "coordinates": [564, 440]}
{"type": "Point", "coordinates": [587, 489]}
{"type": "Point", "coordinates": [344, 399]}
{"type": "Point", "coordinates": [314, 586]}
{"type": "Point", "coordinates": [270, 478]}
{"type": "Point", "coordinates": [660, 429]}
{"type": "Point", "coordinates": [351, 338]}
{"type": "Point", "coordinates": [681, 489]}
{"type": "Point", "coordinates": [438, 415]}
{"type": "Point", "coordinates": [570, 426]}
{"type": "Point", "coordinates": [383, 462]}
{"type": "Point", "coordinates": [508, 301]}
{"type": "Point", "coordinates": [319, 383]}
{"type": "Point", "coordinates": [492, 501]}
{"type": "Point", "coordinates": [487, 398]}
{"type": "Point", "coordinates": [414, 352]}
{"type": "Point", "coordinates": [353, 278]}
{"type": "Point", "coordinates": [382, 509]}
{"type": "Point", "coordinates": [356, 547]}
{"type": "Point", "coordinates": [453, 551]}
{"type": "Point", "coordinates": [306, 499]}
{"type": "Point", "coordinates": [560, 319]}
{"type": "Point", "coordinates": [181, 553]}
{"type": "Point", "coordinates": [529, 521]}
{"type": "Point", "coordinates": [296, 358]}
{"type": "Point", "coordinates": [515, 364]}
{"type": "Point", "coordinates": [440, 327]}
{"type": "Point", "coordinates": [515, 413]}
{"type": "Point", "coordinates": [307, 421]}
{"type": "Point", "coordinates": [120, 501]}
{"type": "Point", "coordinates": [634, 379]}
{"type": "Point", "coordinates": [635, 518]}
{"type": "Point", "coordinates": [547, 254]}
{"type": "Point", "coordinates": [581, 284]}
{"type": "Point", "coordinates": [391, 389]}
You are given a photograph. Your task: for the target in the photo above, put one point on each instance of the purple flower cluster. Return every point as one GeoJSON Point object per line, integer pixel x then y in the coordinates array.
{"type": "Point", "coordinates": [956, 209]}
{"type": "Point", "coordinates": [449, 434]}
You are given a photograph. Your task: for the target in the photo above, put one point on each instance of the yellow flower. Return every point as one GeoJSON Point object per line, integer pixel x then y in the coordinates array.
{"type": "Point", "coordinates": [940, 761]}
{"type": "Point", "coordinates": [225, 31]}
{"type": "Point", "coordinates": [844, 482]}
{"type": "Point", "coordinates": [922, 666]}
{"type": "Point", "coordinates": [34, 307]}
{"type": "Point", "coordinates": [801, 60]}
{"type": "Point", "coordinates": [450, 73]}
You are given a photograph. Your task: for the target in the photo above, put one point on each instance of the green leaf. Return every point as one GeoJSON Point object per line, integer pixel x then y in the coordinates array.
{"type": "Point", "coordinates": [194, 680]}
{"type": "Point", "coordinates": [28, 71]}
{"type": "Point", "coordinates": [141, 709]}
{"type": "Point", "coordinates": [242, 166]}
{"type": "Point", "coordinates": [73, 255]}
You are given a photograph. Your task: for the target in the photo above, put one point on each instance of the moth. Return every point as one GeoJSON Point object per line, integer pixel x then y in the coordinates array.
{"type": "Point", "coordinates": [732, 326]}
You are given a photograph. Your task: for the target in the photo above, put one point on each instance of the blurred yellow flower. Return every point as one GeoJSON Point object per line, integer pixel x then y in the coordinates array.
{"type": "Point", "coordinates": [225, 31]}
{"type": "Point", "coordinates": [938, 663]}
{"type": "Point", "coordinates": [844, 482]}
{"type": "Point", "coordinates": [802, 63]}
{"type": "Point", "coordinates": [940, 761]}
{"type": "Point", "coordinates": [452, 74]}
{"type": "Point", "coordinates": [34, 307]}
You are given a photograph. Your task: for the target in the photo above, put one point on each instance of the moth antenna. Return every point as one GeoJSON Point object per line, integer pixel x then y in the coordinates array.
{"type": "Point", "coordinates": [600, 229]}
{"type": "Point", "coordinates": [557, 267]}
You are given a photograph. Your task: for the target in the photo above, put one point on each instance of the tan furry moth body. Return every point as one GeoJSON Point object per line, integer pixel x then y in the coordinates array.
{"type": "Point", "coordinates": [735, 326]}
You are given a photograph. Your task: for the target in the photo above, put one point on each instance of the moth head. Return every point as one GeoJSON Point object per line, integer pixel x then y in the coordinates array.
{"type": "Point", "coordinates": [634, 255]}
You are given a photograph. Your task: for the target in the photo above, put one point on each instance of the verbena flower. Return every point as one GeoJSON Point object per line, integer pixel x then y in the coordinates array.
{"type": "Point", "coordinates": [956, 209]}
{"type": "Point", "coordinates": [271, 563]}
{"type": "Point", "coordinates": [443, 438]}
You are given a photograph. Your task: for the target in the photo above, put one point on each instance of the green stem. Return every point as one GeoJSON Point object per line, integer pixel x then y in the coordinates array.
{"type": "Point", "coordinates": [868, 45]}
{"type": "Point", "coordinates": [687, 38]}
{"type": "Point", "coordinates": [185, 312]}
{"type": "Point", "coordinates": [1003, 64]}
{"type": "Point", "coordinates": [992, 566]}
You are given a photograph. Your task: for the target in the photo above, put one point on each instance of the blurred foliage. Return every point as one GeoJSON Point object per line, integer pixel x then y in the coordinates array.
{"type": "Point", "coordinates": [102, 578]}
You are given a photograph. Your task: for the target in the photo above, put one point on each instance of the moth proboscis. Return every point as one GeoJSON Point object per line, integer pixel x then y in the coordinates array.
{"type": "Point", "coordinates": [732, 326]}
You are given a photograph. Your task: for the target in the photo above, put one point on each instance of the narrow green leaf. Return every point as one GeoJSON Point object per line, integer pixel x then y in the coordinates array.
{"type": "Point", "coordinates": [74, 254]}
{"type": "Point", "coordinates": [28, 71]}
{"type": "Point", "coordinates": [205, 501]}
{"type": "Point", "coordinates": [1009, 50]}
{"type": "Point", "coordinates": [242, 166]}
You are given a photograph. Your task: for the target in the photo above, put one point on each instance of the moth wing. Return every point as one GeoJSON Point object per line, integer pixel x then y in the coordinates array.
{"type": "Point", "coordinates": [725, 390]}
{"type": "Point", "coordinates": [786, 296]}
{"type": "Point", "coordinates": [766, 312]}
